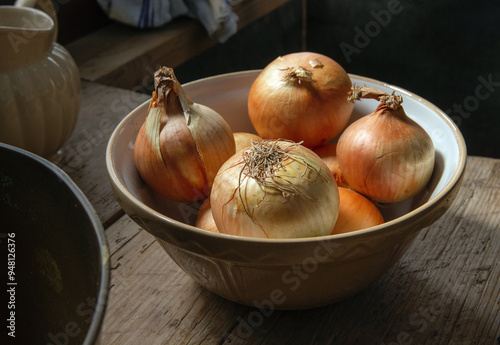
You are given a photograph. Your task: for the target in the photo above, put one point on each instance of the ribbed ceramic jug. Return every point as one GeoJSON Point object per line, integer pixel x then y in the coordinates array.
{"type": "Point", "coordinates": [39, 83]}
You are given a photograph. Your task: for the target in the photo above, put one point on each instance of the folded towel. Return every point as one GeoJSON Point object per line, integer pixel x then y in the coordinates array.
{"type": "Point", "coordinates": [216, 16]}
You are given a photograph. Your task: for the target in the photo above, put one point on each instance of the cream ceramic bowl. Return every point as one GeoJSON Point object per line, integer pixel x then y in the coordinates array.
{"type": "Point", "coordinates": [291, 273]}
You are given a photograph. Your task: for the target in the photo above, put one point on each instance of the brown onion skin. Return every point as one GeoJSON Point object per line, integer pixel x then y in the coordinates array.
{"type": "Point", "coordinates": [241, 207]}
{"type": "Point", "coordinates": [310, 112]}
{"type": "Point", "coordinates": [243, 140]}
{"type": "Point", "coordinates": [355, 212]}
{"type": "Point", "coordinates": [181, 145]}
{"type": "Point", "coordinates": [172, 180]}
{"type": "Point", "coordinates": [205, 219]}
{"type": "Point", "coordinates": [328, 153]}
{"type": "Point", "coordinates": [386, 156]}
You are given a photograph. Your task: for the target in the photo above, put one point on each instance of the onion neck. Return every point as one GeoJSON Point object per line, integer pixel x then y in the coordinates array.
{"type": "Point", "coordinates": [391, 106]}
{"type": "Point", "coordinates": [168, 99]}
{"type": "Point", "coordinates": [365, 92]}
{"type": "Point", "coordinates": [392, 101]}
{"type": "Point", "coordinates": [170, 93]}
{"type": "Point", "coordinates": [298, 75]}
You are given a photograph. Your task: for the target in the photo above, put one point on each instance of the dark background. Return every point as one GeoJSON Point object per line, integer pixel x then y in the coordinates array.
{"type": "Point", "coordinates": [439, 50]}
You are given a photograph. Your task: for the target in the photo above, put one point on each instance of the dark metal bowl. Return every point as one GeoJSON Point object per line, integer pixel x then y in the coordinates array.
{"type": "Point", "coordinates": [54, 257]}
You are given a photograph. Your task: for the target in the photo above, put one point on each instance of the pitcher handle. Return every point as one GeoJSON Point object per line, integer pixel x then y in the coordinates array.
{"type": "Point", "coordinates": [43, 5]}
{"type": "Point", "coordinates": [25, 3]}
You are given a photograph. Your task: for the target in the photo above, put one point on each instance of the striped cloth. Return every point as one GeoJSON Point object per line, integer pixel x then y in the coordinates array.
{"type": "Point", "coordinates": [216, 16]}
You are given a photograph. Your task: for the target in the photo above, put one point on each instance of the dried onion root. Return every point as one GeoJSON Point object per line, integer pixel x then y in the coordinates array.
{"type": "Point", "coordinates": [244, 140]}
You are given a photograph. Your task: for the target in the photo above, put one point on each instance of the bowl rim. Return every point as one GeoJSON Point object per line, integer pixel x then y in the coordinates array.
{"type": "Point", "coordinates": [414, 214]}
{"type": "Point", "coordinates": [95, 326]}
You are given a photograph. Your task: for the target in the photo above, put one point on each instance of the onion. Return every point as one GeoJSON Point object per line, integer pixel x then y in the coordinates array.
{"type": "Point", "coordinates": [275, 189]}
{"type": "Point", "coordinates": [385, 155]}
{"type": "Point", "coordinates": [301, 97]}
{"type": "Point", "coordinates": [181, 145]}
{"type": "Point", "coordinates": [355, 212]}
{"type": "Point", "coordinates": [244, 140]}
{"type": "Point", "coordinates": [205, 220]}
{"type": "Point", "coordinates": [328, 153]}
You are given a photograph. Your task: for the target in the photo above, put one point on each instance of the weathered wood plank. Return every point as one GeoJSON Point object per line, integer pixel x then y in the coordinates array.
{"type": "Point", "coordinates": [124, 230]}
{"type": "Point", "coordinates": [83, 156]}
{"type": "Point", "coordinates": [151, 298]}
{"type": "Point", "coordinates": [445, 290]}
{"type": "Point", "coordinates": [123, 56]}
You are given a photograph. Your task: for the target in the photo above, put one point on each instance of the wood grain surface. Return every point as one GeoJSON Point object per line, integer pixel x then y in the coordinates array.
{"type": "Point", "coordinates": [444, 290]}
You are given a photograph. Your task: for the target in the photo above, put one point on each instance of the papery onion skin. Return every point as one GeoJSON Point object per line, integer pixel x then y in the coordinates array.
{"type": "Point", "coordinates": [355, 212]}
{"type": "Point", "coordinates": [310, 110]}
{"type": "Point", "coordinates": [328, 153]}
{"type": "Point", "coordinates": [181, 181]}
{"type": "Point", "coordinates": [243, 207]}
{"type": "Point", "coordinates": [386, 156]}
{"type": "Point", "coordinates": [179, 153]}
{"type": "Point", "coordinates": [205, 219]}
{"type": "Point", "coordinates": [244, 140]}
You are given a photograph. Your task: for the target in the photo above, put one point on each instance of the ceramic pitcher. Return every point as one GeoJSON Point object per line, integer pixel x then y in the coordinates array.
{"type": "Point", "coordinates": [39, 83]}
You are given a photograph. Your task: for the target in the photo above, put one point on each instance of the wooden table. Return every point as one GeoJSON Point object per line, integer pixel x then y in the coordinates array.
{"type": "Point", "coordinates": [445, 290]}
